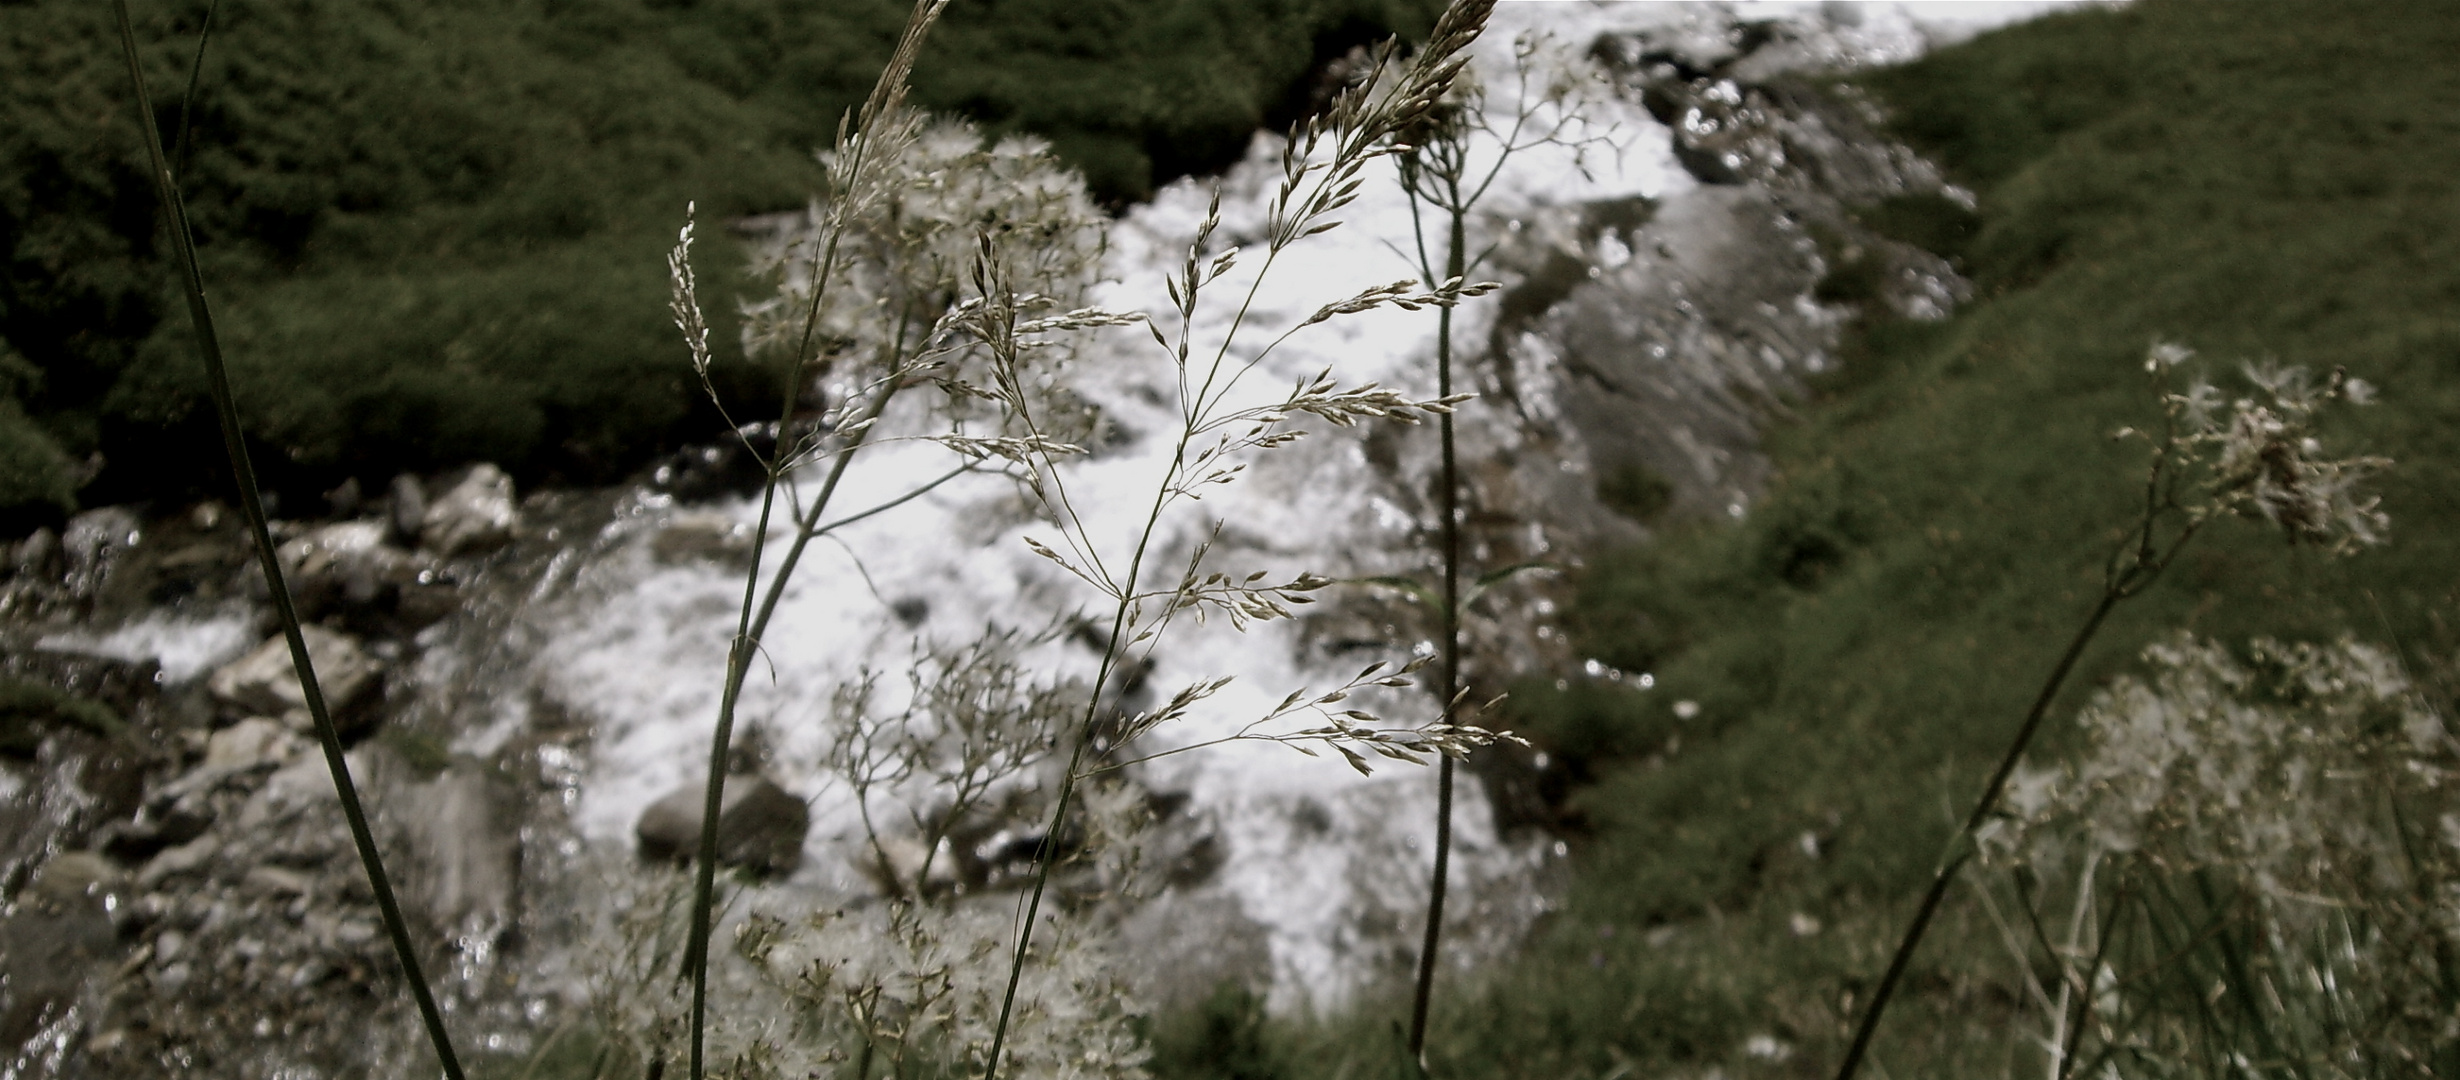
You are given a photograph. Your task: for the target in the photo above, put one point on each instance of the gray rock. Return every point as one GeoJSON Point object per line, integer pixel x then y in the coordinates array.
{"type": "Point", "coordinates": [175, 861]}
{"type": "Point", "coordinates": [477, 514]}
{"type": "Point", "coordinates": [464, 858]}
{"type": "Point", "coordinates": [280, 882]}
{"type": "Point", "coordinates": [94, 542]}
{"type": "Point", "coordinates": [265, 682]}
{"type": "Point", "coordinates": [348, 562]}
{"type": "Point", "coordinates": [409, 509]}
{"type": "Point", "coordinates": [706, 537]}
{"type": "Point", "coordinates": [251, 743]}
{"type": "Point", "coordinates": [301, 785]}
{"type": "Point", "coordinates": [760, 826]}
{"type": "Point", "coordinates": [58, 936]}
{"type": "Point", "coordinates": [38, 555]}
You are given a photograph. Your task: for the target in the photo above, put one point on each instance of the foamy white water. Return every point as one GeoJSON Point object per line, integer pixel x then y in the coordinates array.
{"type": "Point", "coordinates": [1327, 862]}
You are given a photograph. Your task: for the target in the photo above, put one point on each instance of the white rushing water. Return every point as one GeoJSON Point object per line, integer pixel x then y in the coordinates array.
{"type": "Point", "coordinates": [1324, 863]}
{"type": "Point", "coordinates": [1322, 871]}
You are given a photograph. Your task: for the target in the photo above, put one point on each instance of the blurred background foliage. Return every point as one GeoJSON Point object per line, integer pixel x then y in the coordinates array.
{"type": "Point", "coordinates": [433, 231]}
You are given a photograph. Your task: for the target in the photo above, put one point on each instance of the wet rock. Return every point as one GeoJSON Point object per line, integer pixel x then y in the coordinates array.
{"type": "Point", "coordinates": [303, 784]}
{"type": "Point", "coordinates": [264, 681]}
{"type": "Point", "coordinates": [702, 537]}
{"type": "Point", "coordinates": [347, 564]}
{"type": "Point", "coordinates": [760, 826]}
{"type": "Point", "coordinates": [255, 742]}
{"type": "Point", "coordinates": [277, 881]}
{"type": "Point", "coordinates": [38, 555]}
{"type": "Point", "coordinates": [177, 861]}
{"type": "Point", "coordinates": [464, 861]}
{"type": "Point", "coordinates": [344, 499]}
{"type": "Point", "coordinates": [475, 515]}
{"type": "Point", "coordinates": [702, 473]}
{"type": "Point", "coordinates": [94, 543]}
{"type": "Point", "coordinates": [29, 711]}
{"type": "Point", "coordinates": [408, 511]}
{"type": "Point", "coordinates": [58, 936]}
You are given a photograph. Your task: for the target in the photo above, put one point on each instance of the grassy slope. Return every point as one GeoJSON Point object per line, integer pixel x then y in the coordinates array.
{"type": "Point", "coordinates": [2249, 179]}
{"type": "Point", "coordinates": [435, 230]}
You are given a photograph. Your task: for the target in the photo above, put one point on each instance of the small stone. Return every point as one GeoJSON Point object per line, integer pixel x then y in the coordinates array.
{"type": "Point", "coordinates": [167, 947]}
{"type": "Point", "coordinates": [266, 682]}
{"type": "Point", "coordinates": [476, 515]}
{"type": "Point", "coordinates": [179, 860]}
{"type": "Point", "coordinates": [251, 743]}
{"type": "Point", "coordinates": [280, 882]}
{"type": "Point", "coordinates": [705, 537]}
{"type": "Point", "coordinates": [38, 555]}
{"type": "Point", "coordinates": [74, 877]}
{"type": "Point", "coordinates": [760, 826]}
{"type": "Point", "coordinates": [409, 508]}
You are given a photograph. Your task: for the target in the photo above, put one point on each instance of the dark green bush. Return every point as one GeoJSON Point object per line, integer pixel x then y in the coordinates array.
{"type": "Point", "coordinates": [434, 232]}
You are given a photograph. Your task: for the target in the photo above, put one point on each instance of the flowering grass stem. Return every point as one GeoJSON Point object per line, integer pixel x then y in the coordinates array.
{"type": "Point", "coordinates": [886, 99]}
{"type": "Point", "coordinates": [2252, 458]}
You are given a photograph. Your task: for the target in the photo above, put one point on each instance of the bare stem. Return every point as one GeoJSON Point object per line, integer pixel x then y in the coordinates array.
{"type": "Point", "coordinates": [886, 97]}
{"type": "Point", "coordinates": [1423, 993]}
{"type": "Point", "coordinates": [234, 444]}
{"type": "Point", "coordinates": [1962, 845]}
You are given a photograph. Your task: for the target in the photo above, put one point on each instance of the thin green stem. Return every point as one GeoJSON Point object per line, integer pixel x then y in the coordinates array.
{"type": "Point", "coordinates": [196, 75]}
{"type": "Point", "coordinates": [1423, 993]}
{"type": "Point", "coordinates": [1962, 845]}
{"type": "Point", "coordinates": [1111, 652]}
{"type": "Point", "coordinates": [2083, 1013]}
{"type": "Point", "coordinates": [234, 444]}
{"type": "Point", "coordinates": [749, 628]}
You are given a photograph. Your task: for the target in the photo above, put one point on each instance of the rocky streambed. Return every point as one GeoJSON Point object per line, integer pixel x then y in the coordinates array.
{"type": "Point", "coordinates": [523, 676]}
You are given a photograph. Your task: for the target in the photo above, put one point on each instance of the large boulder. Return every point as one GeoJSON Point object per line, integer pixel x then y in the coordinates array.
{"type": "Point", "coordinates": [760, 825]}
{"type": "Point", "coordinates": [265, 683]}
{"type": "Point", "coordinates": [475, 515]}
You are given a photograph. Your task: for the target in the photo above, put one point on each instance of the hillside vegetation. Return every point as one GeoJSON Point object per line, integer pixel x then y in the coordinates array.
{"type": "Point", "coordinates": [2252, 180]}
{"type": "Point", "coordinates": [435, 230]}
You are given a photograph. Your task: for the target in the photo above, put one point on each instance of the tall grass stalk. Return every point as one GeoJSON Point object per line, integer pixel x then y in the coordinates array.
{"type": "Point", "coordinates": [1361, 126]}
{"type": "Point", "coordinates": [1439, 171]}
{"type": "Point", "coordinates": [857, 148]}
{"type": "Point", "coordinates": [234, 444]}
{"type": "Point", "coordinates": [2253, 457]}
